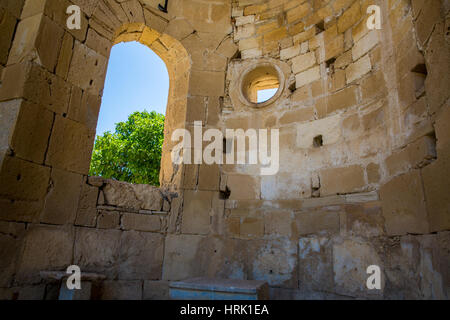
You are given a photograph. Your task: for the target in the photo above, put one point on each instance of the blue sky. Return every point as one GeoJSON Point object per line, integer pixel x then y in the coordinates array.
{"type": "Point", "coordinates": [136, 79]}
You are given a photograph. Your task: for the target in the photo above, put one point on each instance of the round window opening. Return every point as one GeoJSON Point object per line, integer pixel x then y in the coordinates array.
{"type": "Point", "coordinates": [261, 85]}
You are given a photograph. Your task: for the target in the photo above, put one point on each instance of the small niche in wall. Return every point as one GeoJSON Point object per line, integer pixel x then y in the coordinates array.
{"type": "Point", "coordinates": [320, 27]}
{"type": "Point", "coordinates": [330, 65]}
{"type": "Point", "coordinates": [419, 74]}
{"type": "Point", "coordinates": [318, 141]}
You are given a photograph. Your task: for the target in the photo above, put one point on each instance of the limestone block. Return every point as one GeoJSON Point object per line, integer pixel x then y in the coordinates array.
{"type": "Point", "coordinates": [7, 27]}
{"type": "Point", "coordinates": [23, 180]}
{"type": "Point", "coordinates": [365, 44]}
{"type": "Point", "coordinates": [436, 83]}
{"type": "Point", "coordinates": [98, 43]}
{"type": "Point", "coordinates": [227, 48]}
{"type": "Point", "coordinates": [156, 290]}
{"type": "Point", "coordinates": [349, 17]}
{"type": "Point", "coordinates": [180, 257]}
{"type": "Point", "coordinates": [87, 69]}
{"type": "Point", "coordinates": [251, 228]}
{"type": "Point", "coordinates": [341, 180]}
{"type": "Point", "coordinates": [304, 36]}
{"type": "Point", "coordinates": [25, 129]}
{"type": "Point", "coordinates": [243, 187]}
{"type": "Point", "coordinates": [404, 212]}
{"type": "Point", "coordinates": [333, 48]}
{"type": "Point", "coordinates": [298, 115]}
{"type": "Point", "coordinates": [87, 206]}
{"type": "Point", "coordinates": [207, 83]}
{"type": "Point", "coordinates": [364, 220]}
{"type": "Point", "coordinates": [315, 264]}
{"type": "Point", "coordinates": [134, 11]}
{"type": "Point", "coordinates": [141, 255]}
{"type": "Point", "coordinates": [325, 220]}
{"type": "Point", "coordinates": [329, 128]}
{"type": "Point", "coordinates": [32, 82]}
{"type": "Point", "coordinates": [278, 222]}
{"type": "Point", "coordinates": [45, 248]}
{"type": "Point", "coordinates": [65, 56]}
{"type": "Point", "coordinates": [298, 12]}
{"type": "Point", "coordinates": [251, 53]}
{"type": "Point", "coordinates": [108, 219]}
{"type": "Point", "coordinates": [61, 202]}
{"type": "Point", "coordinates": [150, 197]}
{"type": "Point", "coordinates": [132, 196]}
{"type": "Point", "coordinates": [358, 69]}
{"type": "Point", "coordinates": [290, 52]}
{"type": "Point", "coordinates": [374, 85]}
{"type": "Point", "coordinates": [209, 177]}
{"type": "Point", "coordinates": [342, 99]}
{"type": "Point", "coordinates": [11, 236]}
{"type": "Point", "coordinates": [436, 185]}
{"type": "Point", "coordinates": [97, 251]}
{"type": "Point", "coordinates": [120, 290]}
{"type": "Point", "coordinates": [350, 261]}
{"type": "Point", "coordinates": [401, 260]}
{"type": "Point", "coordinates": [154, 21]}
{"type": "Point", "coordinates": [307, 76]}
{"type": "Point", "coordinates": [303, 62]}
{"type": "Point", "coordinates": [286, 186]}
{"type": "Point", "coordinates": [70, 146]}
{"type": "Point", "coordinates": [415, 155]}
{"type": "Point", "coordinates": [197, 210]}
{"type": "Point", "coordinates": [275, 35]}
{"type": "Point", "coordinates": [274, 261]}
{"type": "Point", "coordinates": [141, 222]}
{"type": "Point", "coordinates": [13, 6]}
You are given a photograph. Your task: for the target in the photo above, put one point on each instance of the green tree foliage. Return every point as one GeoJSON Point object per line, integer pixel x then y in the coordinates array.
{"type": "Point", "coordinates": [133, 153]}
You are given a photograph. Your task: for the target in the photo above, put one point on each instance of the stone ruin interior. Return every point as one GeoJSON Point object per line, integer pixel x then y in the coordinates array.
{"type": "Point", "coordinates": [363, 117]}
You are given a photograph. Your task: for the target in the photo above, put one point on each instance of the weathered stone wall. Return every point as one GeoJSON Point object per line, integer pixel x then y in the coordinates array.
{"type": "Point", "coordinates": [374, 192]}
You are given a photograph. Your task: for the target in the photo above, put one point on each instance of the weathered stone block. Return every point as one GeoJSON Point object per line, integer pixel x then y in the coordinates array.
{"type": "Point", "coordinates": [197, 211]}
{"type": "Point", "coordinates": [108, 220]}
{"type": "Point", "coordinates": [303, 62]}
{"type": "Point", "coordinates": [45, 248]}
{"type": "Point", "coordinates": [341, 180]}
{"type": "Point", "coordinates": [97, 251]}
{"type": "Point", "coordinates": [87, 206]}
{"type": "Point", "coordinates": [61, 202]}
{"type": "Point", "coordinates": [318, 221]}
{"type": "Point", "coordinates": [180, 255]}
{"type": "Point", "coordinates": [70, 146]}
{"type": "Point", "coordinates": [358, 69]}
{"type": "Point", "coordinates": [140, 255]}
{"type": "Point", "coordinates": [243, 187]}
{"type": "Point", "coordinates": [141, 222]}
{"type": "Point", "coordinates": [120, 290]}
{"type": "Point", "coordinates": [156, 290]}
{"type": "Point", "coordinates": [404, 212]}
{"type": "Point", "coordinates": [329, 128]}
{"type": "Point", "coordinates": [350, 261]}
{"type": "Point", "coordinates": [307, 76]}
{"type": "Point", "coordinates": [315, 266]}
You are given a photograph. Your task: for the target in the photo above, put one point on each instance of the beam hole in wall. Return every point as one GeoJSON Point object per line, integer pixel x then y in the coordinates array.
{"type": "Point", "coordinates": [318, 141]}
{"type": "Point", "coordinates": [419, 74]}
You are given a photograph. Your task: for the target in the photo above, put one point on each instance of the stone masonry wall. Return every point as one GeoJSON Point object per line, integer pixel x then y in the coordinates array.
{"type": "Point", "coordinates": [374, 191]}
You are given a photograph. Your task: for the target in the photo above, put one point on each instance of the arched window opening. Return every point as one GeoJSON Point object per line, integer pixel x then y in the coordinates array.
{"type": "Point", "coordinates": [130, 128]}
